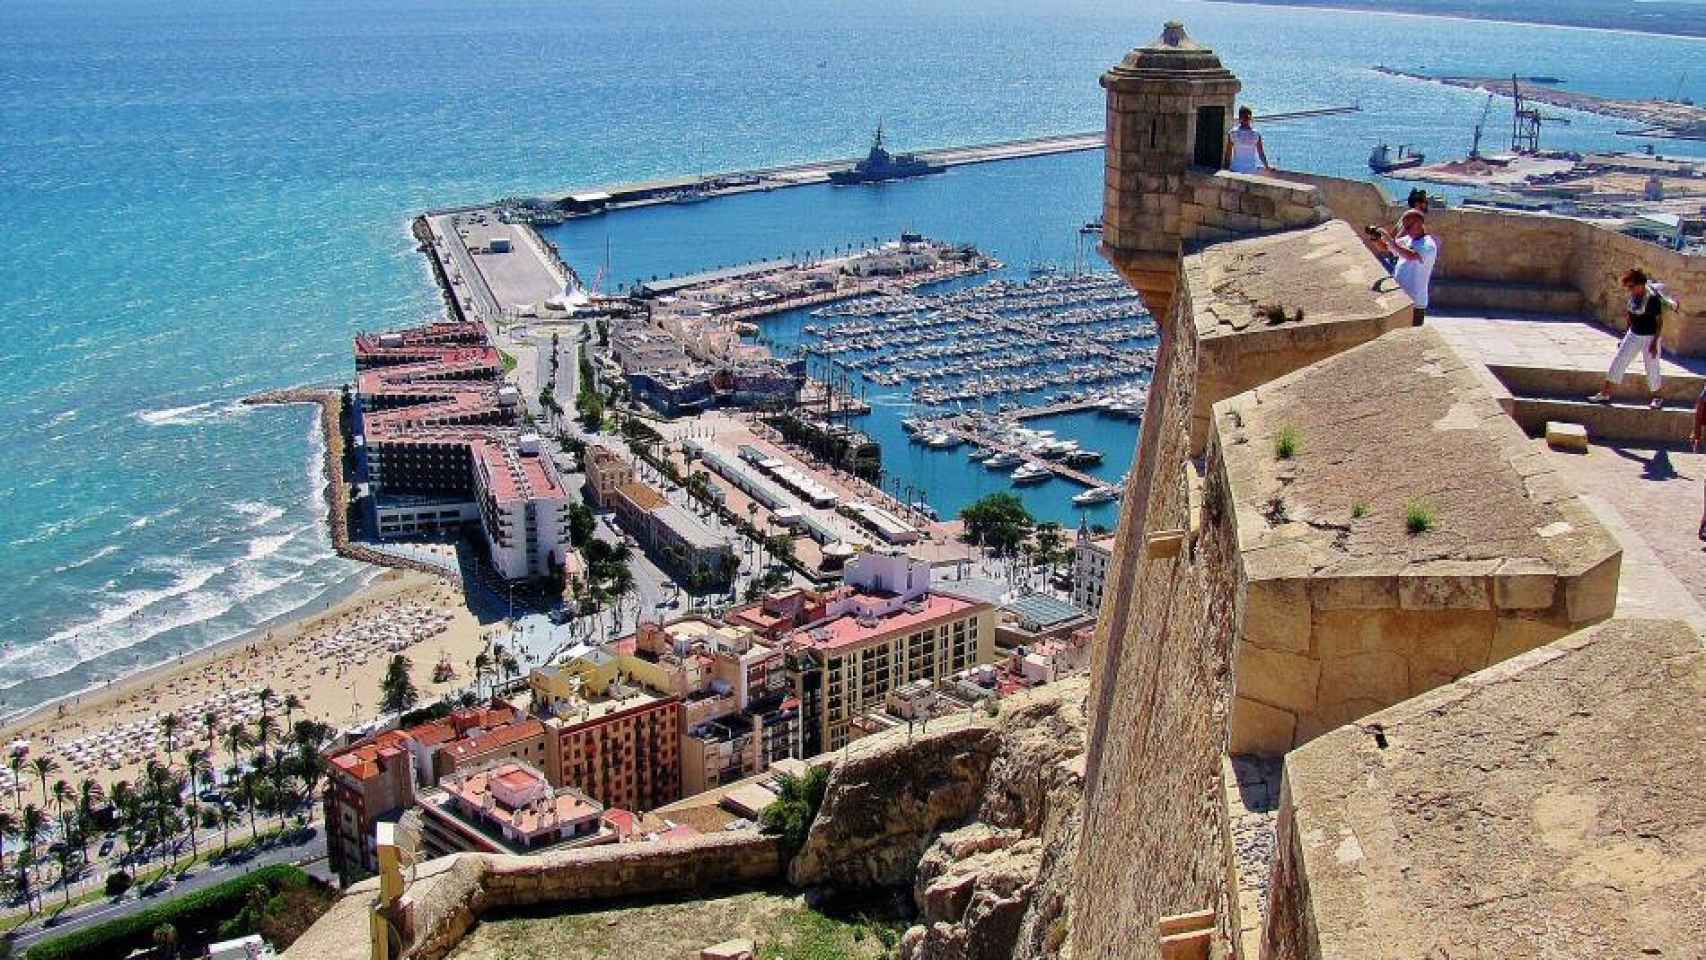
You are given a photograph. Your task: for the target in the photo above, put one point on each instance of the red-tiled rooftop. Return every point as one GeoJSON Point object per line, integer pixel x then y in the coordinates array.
{"type": "Point", "coordinates": [496, 739]}
{"type": "Point", "coordinates": [846, 630]}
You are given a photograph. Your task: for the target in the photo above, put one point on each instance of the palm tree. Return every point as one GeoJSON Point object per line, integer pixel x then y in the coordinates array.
{"type": "Point", "coordinates": [292, 703]}
{"type": "Point", "coordinates": [210, 725]}
{"type": "Point", "coordinates": [197, 766]}
{"type": "Point", "coordinates": [89, 795]}
{"type": "Point", "coordinates": [265, 729]}
{"type": "Point", "coordinates": [482, 663]}
{"type": "Point", "coordinates": [33, 821]}
{"type": "Point", "coordinates": [227, 817]}
{"type": "Point", "coordinates": [62, 794]}
{"type": "Point", "coordinates": [169, 733]}
{"type": "Point", "coordinates": [8, 828]}
{"type": "Point", "coordinates": [237, 739]}
{"type": "Point", "coordinates": [16, 762]}
{"type": "Point", "coordinates": [247, 785]}
{"type": "Point", "coordinates": [44, 767]}
{"type": "Point", "coordinates": [63, 855]}
{"type": "Point", "coordinates": [266, 696]}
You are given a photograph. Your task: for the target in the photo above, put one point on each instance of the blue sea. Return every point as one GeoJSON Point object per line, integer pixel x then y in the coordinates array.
{"type": "Point", "coordinates": [205, 199]}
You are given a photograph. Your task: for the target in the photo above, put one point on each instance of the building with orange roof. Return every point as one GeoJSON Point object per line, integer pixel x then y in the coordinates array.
{"type": "Point", "coordinates": [882, 629]}
{"type": "Point", "coordinates": [508, 807]}
{"type": "Point", "coordinates": [377, 778]}
{"type": "Point", "coordinates": [366, 784]}
{"type": "Point", "coordinates": [674, 536]}
{"type": "Point", "coordinates": [439, 442]}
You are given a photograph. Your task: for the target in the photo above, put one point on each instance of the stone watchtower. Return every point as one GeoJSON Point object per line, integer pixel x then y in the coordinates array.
{"type": "Point", "coordinates": [1169, 106]}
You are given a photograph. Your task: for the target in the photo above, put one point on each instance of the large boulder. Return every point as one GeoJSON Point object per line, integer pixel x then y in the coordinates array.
{"type": "Point", "coordinates": [885, 805]}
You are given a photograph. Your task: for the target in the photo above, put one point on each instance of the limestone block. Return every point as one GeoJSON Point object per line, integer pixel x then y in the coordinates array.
{"type": "Point", "coordinates": [1346, 633]}
{"type": "Point", "coordinates": [1260, 729]}
{"type": "Point", "coordinates": [1277, 614]}
{"type": "Point", "coordinates": [1524, 591]}
{"type": "Point", "coordinates": [1443, 591]}
{"type": "Point", "coordinates": [1354, 593]}
{"type": "Point", "coordinates": [728, 950]}
{"type": "Point", "coordinates": [1592, 596]}
{"type": "Point", "coordinates": [1277, 679]}
{"type": "Point", "coordinates": [1566, 436]}
{"type": "Point", "coordinates": [1378, 676]}
{"type": "Point", "coordinates": [1331, 716]}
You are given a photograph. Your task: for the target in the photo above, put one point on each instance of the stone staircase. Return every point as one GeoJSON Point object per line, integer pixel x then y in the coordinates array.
{"type": "Point", "coordinates": [1539, 395]}
{"type": "Point", "coordinates": [1449, 294]}
{"type": "Point", "coordinates": [1547, 364]}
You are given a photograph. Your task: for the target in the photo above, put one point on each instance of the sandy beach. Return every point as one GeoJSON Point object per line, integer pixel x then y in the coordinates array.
{"type": "Point", "coordinates": [332, 660]}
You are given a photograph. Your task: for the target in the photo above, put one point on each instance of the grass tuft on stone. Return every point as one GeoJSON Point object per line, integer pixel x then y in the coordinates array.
{"type": "Point", "coordinates": [1359, 510]}
{"type": "Point", "coordinates": [1419, 517]}
{"type": "Point", "coordinates": [1288, 443]}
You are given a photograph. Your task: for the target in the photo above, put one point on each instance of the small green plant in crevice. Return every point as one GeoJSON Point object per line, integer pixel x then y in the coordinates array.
{"type": "Point", "coordinates": [1359, 510]}
{"type": "Point", "coordinates": [1419, 517]}
{"type": "Point", "coordinates": [1288, 443]}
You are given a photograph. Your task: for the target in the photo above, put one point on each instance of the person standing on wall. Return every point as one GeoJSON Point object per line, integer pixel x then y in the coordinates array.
{"type": "Point", "coordinates": [1245, 152]}
{"type": "Point", "coordinates": [1644, 337]}
{"type": "Point", "coordinates": [1417, 252]}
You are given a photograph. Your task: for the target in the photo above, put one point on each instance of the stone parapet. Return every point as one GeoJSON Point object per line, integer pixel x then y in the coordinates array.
{"type": "Point", "coordinates": [1221, 205]}
{"type": "Point", "coordinates": [448, 896]}
{"type": "Point", "coordinates": [1326, 286]}
{"type": "Point", "coordinates": [1396, 531]}
{"type": "Point", "coordinates": [1483, 250]}
{"type": "Point", "coordinates": [1545, 807]}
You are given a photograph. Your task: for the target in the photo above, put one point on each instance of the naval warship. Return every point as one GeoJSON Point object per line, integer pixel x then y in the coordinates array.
{"type": "Point", "coordinates": [880, 165]}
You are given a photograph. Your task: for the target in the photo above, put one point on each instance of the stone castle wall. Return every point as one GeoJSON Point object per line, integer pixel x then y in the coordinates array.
{"type": "Point", "coordinates": [1153, 814]}
{"type": "Point", "coordinates": [1501, 248]}
{"type": "Point", "coordinates": [449, 895]}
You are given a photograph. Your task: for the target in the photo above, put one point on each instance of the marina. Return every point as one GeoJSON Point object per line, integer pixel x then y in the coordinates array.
{"type": "Point", "coordinates": [991, 341]}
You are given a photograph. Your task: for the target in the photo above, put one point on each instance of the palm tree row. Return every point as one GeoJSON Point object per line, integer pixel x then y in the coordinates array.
{"type": "Point", "coordinates": [275, 768]}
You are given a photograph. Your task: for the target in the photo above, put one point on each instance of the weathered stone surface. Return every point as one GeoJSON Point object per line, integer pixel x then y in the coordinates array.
{"type": "Point", "coordinates": [1276, 614]}
{"type": "Point", "coordinates": [728, 950]}
{"type": "Point", "coordinates": [1587, 749]}
{"type": "Point", "coordinates": [1277, 679]}
{"type": "Point", "coordinates": [884, 807]}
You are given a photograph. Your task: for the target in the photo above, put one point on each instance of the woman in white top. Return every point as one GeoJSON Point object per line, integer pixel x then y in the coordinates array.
{"type": "Point", "coordinates": [1244, 150]}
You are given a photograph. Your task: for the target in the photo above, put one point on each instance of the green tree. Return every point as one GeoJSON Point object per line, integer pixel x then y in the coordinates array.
{"type": "Point", "coordinates": [44, 767]}
{"type": "Point", "coordinates": [8, 828]}
{"type": "Point", "coordinates": [1049, 543]}
{"type": "Point", "coordinates": [998, 521]}
{"type": "Point", "coordinates": [169, 726]}
{"type": "Point", "coordinates": [581, 525]}
{"type": "Point", "coordinates": [397, 691]}
{"type": "Point", "coordinates": [797, 802]}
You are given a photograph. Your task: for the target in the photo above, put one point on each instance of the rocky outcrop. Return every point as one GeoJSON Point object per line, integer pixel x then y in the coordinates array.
{"type": "Point", "coordinates": [884, 806]}
{"type": "Point", "coordinates": [979, 821]}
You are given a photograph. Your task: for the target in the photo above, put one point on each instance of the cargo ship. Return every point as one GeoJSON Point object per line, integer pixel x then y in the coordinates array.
{"type": "Point", "coordinates": [880, 165]}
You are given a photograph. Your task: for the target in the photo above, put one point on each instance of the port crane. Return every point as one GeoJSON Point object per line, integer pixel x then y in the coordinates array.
{"type": "Point", "coordinates": [1526, 121]}
{"type": "Point", "coordinates": [1486, 110]}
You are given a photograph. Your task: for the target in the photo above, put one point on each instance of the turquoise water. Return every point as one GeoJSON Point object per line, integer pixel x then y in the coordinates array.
{"type": "Point", "coordinates": [202, 200]}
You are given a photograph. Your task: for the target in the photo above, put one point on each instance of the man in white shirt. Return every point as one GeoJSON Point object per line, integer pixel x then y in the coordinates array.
{"type": "Point", "coordinates": [1417, 252]}
{"type": "Point", "coordinates": [1245, 152]}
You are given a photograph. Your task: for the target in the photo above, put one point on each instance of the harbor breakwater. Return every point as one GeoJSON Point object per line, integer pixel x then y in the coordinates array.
{"type": "Point", "coordinates": [335, 477]}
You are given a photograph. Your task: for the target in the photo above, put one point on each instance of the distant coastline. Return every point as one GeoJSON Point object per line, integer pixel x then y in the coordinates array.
{"type": "Point", "coordinates": [1687, 21]}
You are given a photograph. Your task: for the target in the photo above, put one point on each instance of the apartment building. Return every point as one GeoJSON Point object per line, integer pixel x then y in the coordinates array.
{"type": "Point", "coordinates": [884, 628]}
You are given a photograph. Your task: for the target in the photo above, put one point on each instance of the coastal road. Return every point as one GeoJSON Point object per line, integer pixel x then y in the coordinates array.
{"type": "Point", "coordinates": [310, 855]}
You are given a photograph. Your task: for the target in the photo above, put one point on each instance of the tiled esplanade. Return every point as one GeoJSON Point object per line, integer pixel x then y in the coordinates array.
{"type": "Point", "coordinates": [1170, 104]}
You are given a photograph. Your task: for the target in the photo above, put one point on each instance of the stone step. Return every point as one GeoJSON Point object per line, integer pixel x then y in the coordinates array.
{"type": "Point", "coordinates": [1449, 294]}
{"type": "Point", "coordinates": [1556, 383]}
{"type": "Point", "coordinates": [1606, 422]}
